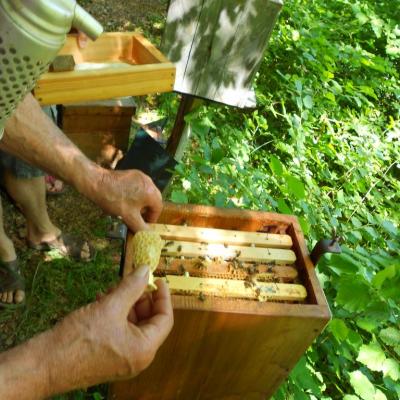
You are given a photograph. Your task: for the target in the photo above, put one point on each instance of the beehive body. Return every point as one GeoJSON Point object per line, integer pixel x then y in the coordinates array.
{"type": "Point", "coordinates": [228, 348]}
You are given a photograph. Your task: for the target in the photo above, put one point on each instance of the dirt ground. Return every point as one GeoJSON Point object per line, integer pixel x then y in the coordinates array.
{"type": "Point", "coordinates": [129, 15]}
{"type": "Point", "coordinates": [56, 286]}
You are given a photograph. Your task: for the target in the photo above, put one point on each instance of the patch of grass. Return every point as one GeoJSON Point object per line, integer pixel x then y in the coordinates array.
{"type": "Point", "coordinates": [55, 288]}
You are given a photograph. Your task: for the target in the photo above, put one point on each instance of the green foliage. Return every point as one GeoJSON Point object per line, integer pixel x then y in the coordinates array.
{"type": "Point", "coordinates": [323, 144]}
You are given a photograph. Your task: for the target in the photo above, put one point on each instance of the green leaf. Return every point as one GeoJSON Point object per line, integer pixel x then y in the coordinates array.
{"type": "Point", "coordinates": [371, 232]}
{"type": "Point", "coordinates": [308, 102]}
{"type": "Point", "coordinates": [344, 262]}
{"type": "Point", "coordinates": [283, 207]}
{"type": "Point", "coordinates": [377, 25]}
{"type": "Point", "coordinates": [362, 18]}
{"type": "Point", "coordinates": [369, 91]}
{"type": "Point", "coordinates": [362, 386]}
{"type": "Point", "coordinates": [295, 187]}
{"type": "Point", "coordinates": [356, 222]}
{"type": "Point", "coordinates": [276, 166]}
{"type": "Point", "coordinates": [305, 226]}
{"type": "Point", "coordinates": [353, 294]}
{"type": "Point", "coordinates": [179, 197]}
{"type": "Point", "coordinates": [388, 273]}
{"type": "Point", "coordinates": [389, 227]}
{"type": "Point", "coordinates": [354, 340]}
{"type": "Point", "coordinates": [304, 377]}
{"type": "Point", "coordinates": [299, 85]}
{"type": "Point", "coordinates": [339, 329]}
{"type": "Point", "coordinates": [367, 324]}
{"type": "Point", "coordinates": [379, 395]}
{"type": "Point", "coordinates": [350, 397]}
{"type": "Point", "coordinates": [217, 155]}
{"type": "Point", "coordinates": [390, 336]}
{"type": "Point", "coordinates": [391, 368]}
{"type": "Point", "coordinates": [220, 199]}
{"type": "Point", "coordinates": [199, 128]}
{"type": "Point", "coordinates": [372, 356]}
{"type": "Point", "coordinates": [340, 197]}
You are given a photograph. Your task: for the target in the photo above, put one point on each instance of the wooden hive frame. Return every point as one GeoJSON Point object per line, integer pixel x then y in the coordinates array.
{"type": "Point", "coordinates": [142, 70]}
{"type": "Point", "coordinates": [229, 348]}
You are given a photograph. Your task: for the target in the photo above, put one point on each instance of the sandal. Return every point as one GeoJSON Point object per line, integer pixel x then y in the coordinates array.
{"type": "Point", "coordinates": [54, 186]}
{"type": "Point", "coordinates": [68, 245]}
{"type": "Point", "coordinates": [11, 280]}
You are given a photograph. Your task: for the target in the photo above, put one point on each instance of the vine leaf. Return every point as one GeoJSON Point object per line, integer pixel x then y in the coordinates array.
{"type": "Point", "coordinates": [276, 166]}
{"type": "Point", "coordinates": [339, 329]}
{"type": "Point", "coordinates": [390, 336]}
{"type": "Point", "coordinates": [352, 294]}
{"type": "Point", "coordinates": [295, 187]}
{"type": "Point", "coordinates": [391, 369]}
{"type": "Point", "coordinates": [372, 356]}
{"type": "Point", "coordinates": [362, 386]}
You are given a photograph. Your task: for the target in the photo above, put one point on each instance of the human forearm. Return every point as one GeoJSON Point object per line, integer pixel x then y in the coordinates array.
{"type": "Point", "coordinates": [114, 338]}
{"type": "Point", "coordinates": [24, 371]}
{"type": "Point", "coordinates": [31, 135]}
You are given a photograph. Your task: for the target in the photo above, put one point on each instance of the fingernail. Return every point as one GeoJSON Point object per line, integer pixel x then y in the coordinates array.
{"type": "Point", "coordinates": [142, 271]}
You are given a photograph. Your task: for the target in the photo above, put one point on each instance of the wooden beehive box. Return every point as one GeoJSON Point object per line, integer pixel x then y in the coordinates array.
{"type": "Point", "coordinates": [94, 125]}
{"type": "Point", "coordinates": [224, 345]}
{"type": "Point", "coordinates": [115, 65]}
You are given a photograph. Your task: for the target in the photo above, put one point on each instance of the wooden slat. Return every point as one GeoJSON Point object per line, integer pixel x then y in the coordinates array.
{"type": "Point", "coordinates": [236, 288]}
{"type": "Point", "coordinates": [109, 46]}
{"type": "Point", "coordinates": [77, 86]}
{"type": "Point", "coordinates": [216, 250]}
{"type": "Point", "coordinates": [225, 218]}
{"type": "Point", "coordinates": [115, 65]}
{"type": "Point", "coordinates": [224, 236]}
{"type": "Point", "coordinates": [225, 270]}
{"type": "Point", "coordinates": [144, 52]}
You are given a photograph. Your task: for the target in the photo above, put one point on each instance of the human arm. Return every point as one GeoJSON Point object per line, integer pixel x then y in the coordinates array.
{"type": "Point", "coordinates": [114, 338]}
{"type": "Point", "coordinates": [32, 136]}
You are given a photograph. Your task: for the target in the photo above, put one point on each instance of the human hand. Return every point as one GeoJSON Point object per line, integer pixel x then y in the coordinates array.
{"type": "Point", "coordinates": [114, 338]}
{"type": "Point", "coordinates": [129, 194]}
{"type": "Point", "coordinates": [82, 40]}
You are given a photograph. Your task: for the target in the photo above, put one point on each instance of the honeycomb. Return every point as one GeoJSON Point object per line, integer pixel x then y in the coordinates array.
{"type": "Point", "coordinates": [147, 246]}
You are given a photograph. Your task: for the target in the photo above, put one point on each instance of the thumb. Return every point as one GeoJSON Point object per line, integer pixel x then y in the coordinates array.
{"type": "Point", "coordinates": [131, 288]}
{"type": "Point", "coordinates": [136, 222]}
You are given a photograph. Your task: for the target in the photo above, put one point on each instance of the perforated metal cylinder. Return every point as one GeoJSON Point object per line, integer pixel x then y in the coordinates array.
{"type": "Point", "coordinates": [31, 34]}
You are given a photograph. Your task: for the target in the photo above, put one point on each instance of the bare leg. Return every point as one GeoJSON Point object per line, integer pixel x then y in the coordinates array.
{"type": "Point", "coordinates": [30, 194]}
{"type": "Point", "coordinates": [7, 254]}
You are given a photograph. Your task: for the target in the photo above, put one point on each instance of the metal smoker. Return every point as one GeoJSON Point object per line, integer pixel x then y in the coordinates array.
{"type": "Point", "coordinates": [31, 34]}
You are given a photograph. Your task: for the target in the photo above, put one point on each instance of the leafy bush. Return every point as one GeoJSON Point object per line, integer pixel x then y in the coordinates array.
{"type": "Point", "coordinates": [323, 144]}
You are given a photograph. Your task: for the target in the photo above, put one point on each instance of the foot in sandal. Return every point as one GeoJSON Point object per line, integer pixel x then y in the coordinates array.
{"type": "Point", "coordinates": [67, 245]}
{"type": "Point", "coordinates": [54, 186]}
{"type": "Point", "coordinates": [12, 285]}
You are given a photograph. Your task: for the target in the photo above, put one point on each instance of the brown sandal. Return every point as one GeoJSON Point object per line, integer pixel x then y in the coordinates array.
{"type": "Point", "coordinates": [68, 245]}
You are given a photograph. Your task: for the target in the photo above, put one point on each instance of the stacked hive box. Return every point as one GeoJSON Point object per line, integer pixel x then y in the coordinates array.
{"type": "Point", "coordinates": [246, 300]}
